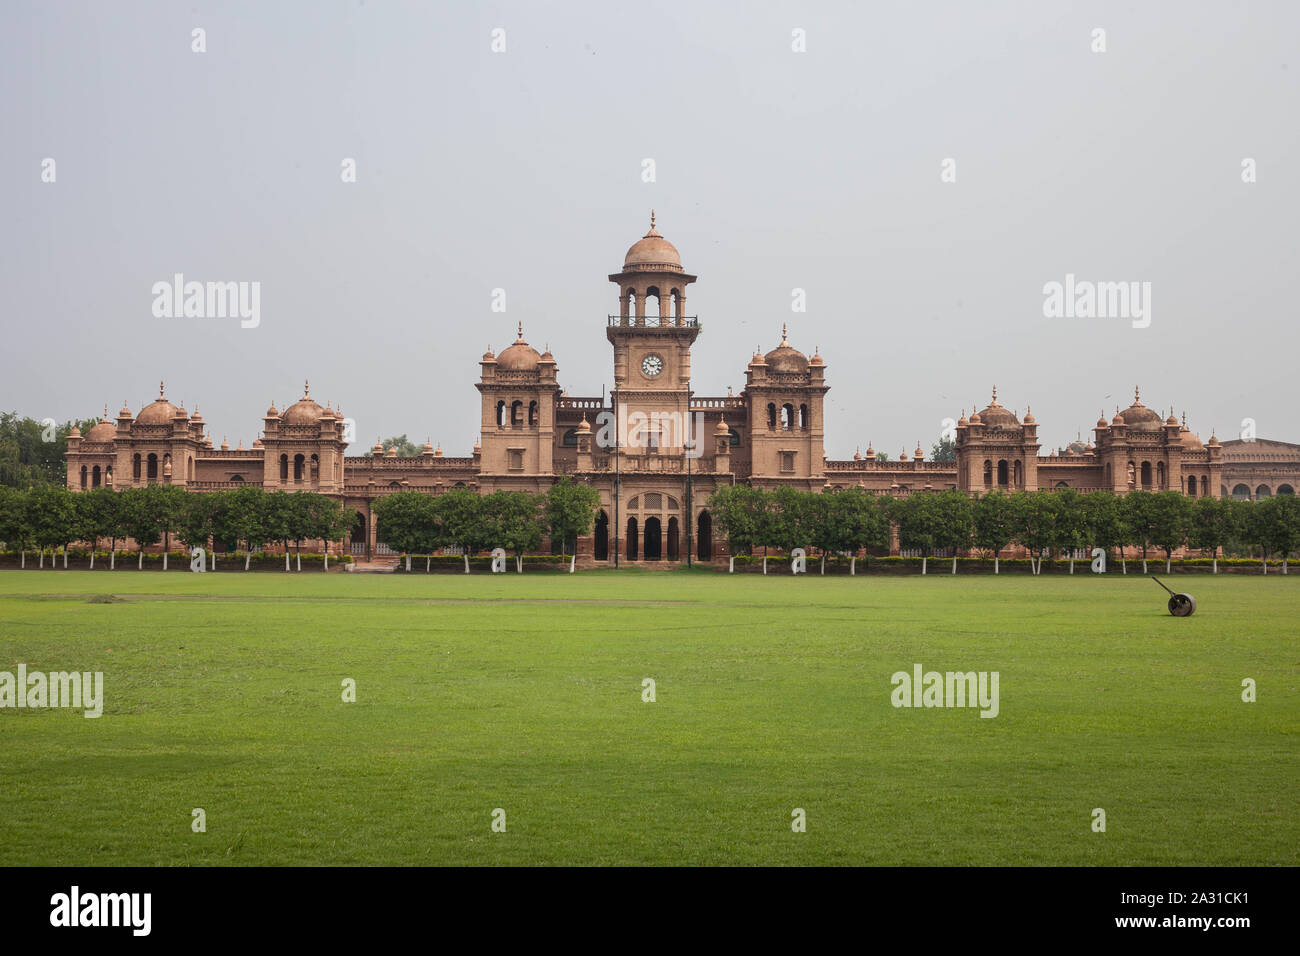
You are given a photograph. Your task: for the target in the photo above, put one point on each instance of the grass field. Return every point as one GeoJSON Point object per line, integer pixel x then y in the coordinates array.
{"type": "Point", "coordinates": [524, 693]}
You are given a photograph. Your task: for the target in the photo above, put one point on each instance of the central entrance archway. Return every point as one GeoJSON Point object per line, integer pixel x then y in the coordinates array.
{"type": "Point", "coordinates": [601, 549]}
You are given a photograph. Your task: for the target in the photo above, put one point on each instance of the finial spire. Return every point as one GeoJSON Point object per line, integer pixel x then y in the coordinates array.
{"type": "Point", "coordinates": [160, 388]}
{"type": "Point", "coordinates": [1184, 418]}
{"type": "Point", "coordinates": [521, 330]}
{"type": "Point", "coordinates": [306, 388]}
{"type": "Point", "coordinates": [995, 395]}
{"type": "Point", "coordinates": [652, 218]}
{"type": "Point", "coordinates": [783, 332]}
{"type": "Point", "coordinates": [1137, 396]}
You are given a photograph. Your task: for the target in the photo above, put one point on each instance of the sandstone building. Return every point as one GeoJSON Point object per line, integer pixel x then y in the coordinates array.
{"type": "Point", "coordinates": [654, 449]}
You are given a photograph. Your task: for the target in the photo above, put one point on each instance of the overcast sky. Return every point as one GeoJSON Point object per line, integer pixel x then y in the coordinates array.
{"type": "Point", "coordinates": [774, 170]}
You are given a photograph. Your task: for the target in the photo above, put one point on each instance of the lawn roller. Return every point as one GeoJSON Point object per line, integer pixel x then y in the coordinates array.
{"type": "Point", "coordinates": [1180, 605]}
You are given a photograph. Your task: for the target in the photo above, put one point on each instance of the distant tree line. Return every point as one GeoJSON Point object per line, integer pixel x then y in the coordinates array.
{"type": "Point", "coordinates": [1042, 522]}
{"type": "Point", "coordinates": [515, 521]}
{"type": "Point", "coordinates": [34, 453]}
{"type": "Point", "coordinates": [47, 517]}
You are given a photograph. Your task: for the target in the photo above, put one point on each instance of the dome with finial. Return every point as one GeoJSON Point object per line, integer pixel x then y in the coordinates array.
{"type": "Point", "coordinates": [392, 452]}
{"type": "Point", "coordinates": [1190, 441]}
{"type": "Point", "coordinates": [785, 357]}
{"type": "Point", "coordinates": [1138, 417]}
{"type": "Point", "coordinates": [758, 357]}
{"type": "Point", "coordinates": [437, 452]}
{"type": "Point", "coordinates": [997, 415]}
{"type": "Point", "coordinates": [1029, 417]}
{"type": "Point", "coordinates": [963, 420]}
{"type": "Point", "coordinates": [1214, 440]}
{"type": "Point", "coordinates": [816, 357]}
{"type": "Point", "coordinates": [919, 453]}
{"type": "Point", "coordinates": [158, 412]}
{"type": "Point", "coordinates": [428, 446]}
{"type": "Point", "coordinates": [257, 442]}
{"type": "Point", "coordinates": [489, 355]}
{"type": "Point", "coordinates": [520, 356]}
{"type": "Point", "coordinates": [903, 455]}
{"type": "Point", "coordinates": [102, 430]}
{"type": "Point", "coordinates": [652, 253]}
{"type": "Point", "coordinates": [305, 411]}
{"type": "Point", "coordinates": [378, 450]}
{"type": "Point", "coordinates": [125, 412]}
{"type": "Point", "coordinates": [871, 452]}
{"type": "Point", "coordinates": [1101, 420]}
{"type": "Point", "coordinates": [272, 412]}
{"type": "Point", "coordinates": [584, 426]}
{"type": "Point", "coordinates": [857, 455]}
{"type": "Point", "coordinates": [721, 428]}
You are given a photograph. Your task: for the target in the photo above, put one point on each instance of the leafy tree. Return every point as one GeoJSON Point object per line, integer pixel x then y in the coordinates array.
{"type": "Point", "coordinates": [571, 512]}
{"type": "Point", "coordinates": [517, 522]}
{"type": "Point", "coordinates": [1273, 525]}
{"type": "Point", "coordinates": [945, 449]}
{"type": "Point", "coordinates": [1288, 532]}
{"type": "Point", "coordinates": [99, 519]}
{"type": "Point", "coordinates": [1215, 521]}
{"type": "Point", "coordinates": [739, 512]}
{"type": "Point", "coordinates": [325, 520]}
{"type": "Point", "coordinates": [171, 502]}
{"type": "Point", "coordinates": [247, 518]}
{"type": "Point", "coordinates": [1034, 524]}
{"type": "Point", "coordinates": [789, 520]}
{"type": "Point", "coordinates": [819, 517]}
{"type": "Point", "coordinates": [1069, 523]}
{"type": "Point", "coordinates": [49, 515]}
{"type": "Point", "coordinates": [862, 521]}
{"type": "Point", "coordinates": [26, 458]}
{"type": "Point", "coordinates": [461, 513]}
{"type": "Point", "coordinates": [917, 518]}
{"type": "Point", "coordinates": [1140, 519]}
{"type": "Point", "coordinates": [195, 524]}
{"type": "Point", "coordinates": [405, 448]}
{"type": "Point", "coordinates": [401, 520]}
{"type": "Point", "coordinates": [994, 524]}
{"type": "Point", "coordinates": [952, 521]}
{"type": "Point", "coordinates": [1171, 521]}
{"type": "Point", "coordinates": [1103, 523]}
{"type": "Point", "coordinates": [15, 529]}
{"type": "Point", "coordinates": [141, 518]}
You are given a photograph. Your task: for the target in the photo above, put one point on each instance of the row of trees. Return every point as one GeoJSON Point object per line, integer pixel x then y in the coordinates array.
{"type": "Point", "coordinates": [1042, 522]}
{"type": "Point", "coordinates": [46, 517]}
{"type": "Point", "coordinates": [413, 523]}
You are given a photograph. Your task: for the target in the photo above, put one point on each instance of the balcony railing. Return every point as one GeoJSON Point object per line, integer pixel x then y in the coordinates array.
{"type": "Point", "coordinates": [655, 321]}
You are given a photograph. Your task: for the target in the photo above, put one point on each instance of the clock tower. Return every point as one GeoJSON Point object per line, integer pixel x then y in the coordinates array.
{"type": "Point", "coordinates": [652, 337]}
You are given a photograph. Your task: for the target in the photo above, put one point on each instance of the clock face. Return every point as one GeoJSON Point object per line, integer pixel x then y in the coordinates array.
{"type": "Point", "coordinates": [652, 365]}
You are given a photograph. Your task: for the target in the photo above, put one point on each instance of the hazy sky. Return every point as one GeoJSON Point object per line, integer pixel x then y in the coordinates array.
{"type": "Point", "coordinates": [775, 170]}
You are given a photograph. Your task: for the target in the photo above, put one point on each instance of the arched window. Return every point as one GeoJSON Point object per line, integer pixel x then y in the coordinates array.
{"type": "Point", "coordinates": [83, 476]}
{"type": "Point", "coordinates": [1241, 492]}
{"type": "Point", "coordinates": [704, 537]}
{"type": "Point", "coordinates": [771, 414]}
{"type": "Point", "coordinates": [516, 413]}
{"type": "Point", "coordinates": [787, 417]}
{"type": "Point", "coordinates": [1004, 474]}
{"type": "Point", "coordinates": [673, 552]}
{"type": "Point", "coordinates": [1018, 473]}
{"type": "Point", "coordinates": [532, 414]}
{"type": "Point", "coordinates": [1285, 490]}
{"type": "Point", "coordinates": [1108, 475]}
{"type": "Point", "coordinates": [988, 473]}
{"type": "Point", "coordinates": [601, 548]}
{"type": "Point", "coordinates": [570, 439]}
{"type": "Point", "coordinates": [733, 437]}
{"type": "Point", "coordinates": [1263, 492]}
{"type": "Point", "coordinates": [653, 539]}
{"type": "Point", "coordinates": [803, 416]}
{"type": "Point", "coordinates": [297, 467]}
{"type": "Point", "coordinates": [631, 539]}
{"type": "Point", "coordinates": [501, 414]}
{"type": "Point", "coordinates": [1160, 476]}
{"type": "Point", "coordinates": [1062, 484]}
{"type": "Point", "coordinates": [652, 307]}
{"type": "Point", "coordinates": [151, 467]}
{"type": "Point", "coordinates": [627, 304]}
{"type": "Point", "coordinates": [94, 477]}
{"type": "Point", "coordinates": [237, 479]}
{"type": "Point", "coordinates": [1189, 488]}
{"type": "Point", "coordinates": [1205, 486]}
{"type": "Point", "coordinates": [284, 467]}
{"type": "Point", "coordinates": [135, 467]}
{"type": "Point", "coordinates": [1146, 475]}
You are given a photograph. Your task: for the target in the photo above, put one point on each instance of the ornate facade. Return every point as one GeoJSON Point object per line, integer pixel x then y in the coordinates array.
{"type": "Point", "coordinates": [654, 449]}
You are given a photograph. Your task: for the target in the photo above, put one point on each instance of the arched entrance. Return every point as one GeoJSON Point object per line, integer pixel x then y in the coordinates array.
{"type": "Point", "coordinates": [674, 553]}
{"type": "Point", "coordinates": [653, 539]}
{"type": "Point", "coordinates": [357, 537]}
{"type": "Point", "coordinates": [602, 537]}
{"type": "Point", "coordinates": [631, 539]}
{"type": "Point", "coordinates": [704, 526]}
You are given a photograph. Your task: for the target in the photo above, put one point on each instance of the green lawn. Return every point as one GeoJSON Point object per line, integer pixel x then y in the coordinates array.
{"type": "Point", "coordinates": [524, 692]}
